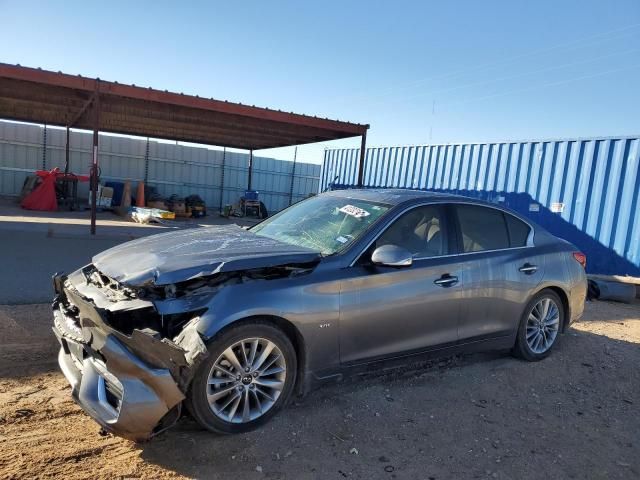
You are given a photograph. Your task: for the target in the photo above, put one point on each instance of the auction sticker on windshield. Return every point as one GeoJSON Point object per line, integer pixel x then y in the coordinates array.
{"type": "Point", "coordinates": [354, 211]}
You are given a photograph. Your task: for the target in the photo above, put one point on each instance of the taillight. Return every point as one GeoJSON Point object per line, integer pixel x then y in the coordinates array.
{"type": "Point", "coordinates": [581, 258]}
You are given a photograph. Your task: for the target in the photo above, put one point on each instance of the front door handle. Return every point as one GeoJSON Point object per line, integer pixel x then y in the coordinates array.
{"type": "Point", "coordinates": [528, 268]}
{"type": "Point", "coordinates": [446, 280]}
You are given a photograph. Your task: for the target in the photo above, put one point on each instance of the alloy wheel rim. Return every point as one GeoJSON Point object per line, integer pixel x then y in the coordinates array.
{"type": "Point", "coordinates": [542, 325]}
{"type": "Point", "coordinates": [246, 380]}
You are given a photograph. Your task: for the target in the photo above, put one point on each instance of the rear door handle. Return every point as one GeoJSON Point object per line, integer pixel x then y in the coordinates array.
{"type": "Point", "coordinates": [446, 280]}
{"type": "Point", "coordinates": [528, 268]}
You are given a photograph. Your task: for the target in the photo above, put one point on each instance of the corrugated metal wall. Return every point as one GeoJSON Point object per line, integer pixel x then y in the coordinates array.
{"type": "Point", "coordinates": [584, 190]}
{"type": "Point", "coordinates": [172, 169]}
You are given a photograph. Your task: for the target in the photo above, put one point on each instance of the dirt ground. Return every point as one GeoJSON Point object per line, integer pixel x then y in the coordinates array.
{"type": "Point", "coordinates": [574, 415]}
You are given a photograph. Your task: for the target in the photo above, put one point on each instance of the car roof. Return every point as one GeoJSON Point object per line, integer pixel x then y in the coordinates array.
{"type": "Point", "coordinates": [397, 196]}
{"type": "Point", "coordinates": [401, 196]}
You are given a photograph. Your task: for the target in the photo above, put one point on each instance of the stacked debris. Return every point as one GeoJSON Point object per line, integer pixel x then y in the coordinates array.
{"type": "Point", "coordinates": [196, 205]}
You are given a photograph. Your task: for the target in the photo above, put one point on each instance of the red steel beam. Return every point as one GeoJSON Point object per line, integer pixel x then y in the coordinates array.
{"type": "Point", "coordinates": [193, 135]}
{"type": "Point", "coordinates": [143, 118]}
{"type": "Point", "coordinates": [79, 83]}
{"type": "Point", "coordinates": [214, 119]}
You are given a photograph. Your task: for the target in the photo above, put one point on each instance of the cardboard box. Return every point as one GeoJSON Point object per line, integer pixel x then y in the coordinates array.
{"type": "Point", "coordinates": [106, 192]}
{"type": "Point", "coordinates": [178, 208]}
{"type": "Point", "coordinates": [160, 204]}
{"type": "Point", "coordinates": [106, 197]}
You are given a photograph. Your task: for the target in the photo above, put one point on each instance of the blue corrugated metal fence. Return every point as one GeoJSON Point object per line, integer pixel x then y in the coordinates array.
{"type": "Point", "coordinates": [585, 190]}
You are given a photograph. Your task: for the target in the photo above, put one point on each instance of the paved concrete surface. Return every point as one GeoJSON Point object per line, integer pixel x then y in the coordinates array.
{"type": "Point", "coordinates": [30, 258]}
{"type": "Point", "coordinates": [35, 245]}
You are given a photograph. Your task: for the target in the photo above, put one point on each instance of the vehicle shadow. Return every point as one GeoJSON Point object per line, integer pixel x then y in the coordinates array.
{"type": "Point", "coordinates": [460, 416]}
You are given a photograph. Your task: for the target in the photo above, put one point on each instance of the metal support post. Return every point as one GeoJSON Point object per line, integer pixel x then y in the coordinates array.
{"type": "Point", "coordinates": [224, 157]}
{"type": "Point", "coordinates": [293, 175]}
{"type": "Point", "coordinates": [95, 165]}
{"type": "Point", "coordinates": [363, 153]}
{"type": "Point", "coordinates": [250, 168]}
{"type": "Point", "coordinates": [66, 155]}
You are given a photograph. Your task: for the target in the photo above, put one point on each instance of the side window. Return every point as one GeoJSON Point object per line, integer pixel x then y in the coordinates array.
{"type": "Point", "coordinates": [518, 231]}
{"type": "Point", "coordinates": [421, 231]}
{"type": "Point", "coordinates": [482, 228]}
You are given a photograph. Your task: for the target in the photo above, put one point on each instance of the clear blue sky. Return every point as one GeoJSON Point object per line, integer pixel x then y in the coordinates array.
{"type": "Point", "coordinates": [495, 69]}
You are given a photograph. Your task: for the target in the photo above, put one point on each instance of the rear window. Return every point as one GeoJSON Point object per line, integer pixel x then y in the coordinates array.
{"type": "Point", "coordinates": [482, 228]}
{"type": "Point", "coordinates": [518, 231]}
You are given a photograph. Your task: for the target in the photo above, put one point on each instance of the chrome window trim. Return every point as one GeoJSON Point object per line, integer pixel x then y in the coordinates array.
{"type": "Point", "coordinates": [529, 244]}
{"type": "Point", "coordinates": [474, 253]}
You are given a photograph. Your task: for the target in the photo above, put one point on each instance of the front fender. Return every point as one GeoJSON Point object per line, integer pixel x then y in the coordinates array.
{"type": "Point", "coordinates": [311, 307]}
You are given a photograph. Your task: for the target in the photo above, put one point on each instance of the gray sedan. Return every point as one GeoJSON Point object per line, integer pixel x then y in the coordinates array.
{"type": "Point", "coordinates": [230, 323]}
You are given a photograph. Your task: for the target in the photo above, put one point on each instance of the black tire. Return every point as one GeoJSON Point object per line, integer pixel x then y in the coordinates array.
{"type": "Point", "coordinates": [522, 349]}
{"type": "Point", "coordinates": [196, 401]}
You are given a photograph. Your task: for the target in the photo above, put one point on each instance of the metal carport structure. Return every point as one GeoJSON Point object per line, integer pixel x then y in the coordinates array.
{"type": "Point", "coordinates": [55, 98]}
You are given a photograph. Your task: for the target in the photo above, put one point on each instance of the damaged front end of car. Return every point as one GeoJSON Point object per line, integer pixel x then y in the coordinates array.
{"type": "Point", "coordinates": [130, 353]}
{"type": "Point", "coordinates": [126, 367]}
{"type": "Point", "coordinates": [129, 322]}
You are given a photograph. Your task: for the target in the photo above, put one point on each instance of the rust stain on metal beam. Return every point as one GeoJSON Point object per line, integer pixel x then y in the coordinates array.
{"type": "Point", "coordinates": [212, 118]}
{"type": "Point", "coordinates": [83, 109]}
{"type": "Point", "coordinates": [194, 135]}
{"type": "Point", "coordinates": [43, 78]}
{"type": "Point", "coordinates": [213, 130]}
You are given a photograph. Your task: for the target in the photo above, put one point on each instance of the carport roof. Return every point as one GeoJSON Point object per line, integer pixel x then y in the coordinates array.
{"type": "Point", "coordinates": [56, 98]}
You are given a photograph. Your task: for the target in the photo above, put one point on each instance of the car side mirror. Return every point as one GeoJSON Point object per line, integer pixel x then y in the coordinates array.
{"type": "Point", "coordinates": [392, 256]}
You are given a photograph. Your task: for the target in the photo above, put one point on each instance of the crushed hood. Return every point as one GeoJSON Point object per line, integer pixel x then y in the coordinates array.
{"type": "Point", "coordinates": [187, 254]}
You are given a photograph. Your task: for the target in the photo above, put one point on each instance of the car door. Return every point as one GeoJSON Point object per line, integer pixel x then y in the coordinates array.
{"type": "Point", "coordinates": [501, 269]}
{"type": "Point", "coordinates": [390, 311]}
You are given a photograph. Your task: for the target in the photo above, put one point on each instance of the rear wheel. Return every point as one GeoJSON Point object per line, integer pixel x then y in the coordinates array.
{"type": "Point", "coordinates": [539, 326]}
{"type": "Point", "coordinates": [249, 375]}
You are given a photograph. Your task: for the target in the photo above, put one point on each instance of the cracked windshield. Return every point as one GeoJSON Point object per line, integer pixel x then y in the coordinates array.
{"type": "Point", "coordinates": [326, 224]}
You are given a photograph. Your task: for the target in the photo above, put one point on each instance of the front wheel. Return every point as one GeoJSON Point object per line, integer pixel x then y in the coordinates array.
{"type": "Point", "coordinates": [539, 327]}
{"type": "Point", "coordinates": [249, 375]}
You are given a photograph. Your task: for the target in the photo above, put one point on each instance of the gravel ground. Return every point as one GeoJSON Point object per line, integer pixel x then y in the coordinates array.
{"type": "Point", "coordinates": [574, 415]}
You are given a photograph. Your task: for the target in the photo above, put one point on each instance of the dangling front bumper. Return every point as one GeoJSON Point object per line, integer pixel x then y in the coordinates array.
{"type": "Point", "coordinates": [131, 385]}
